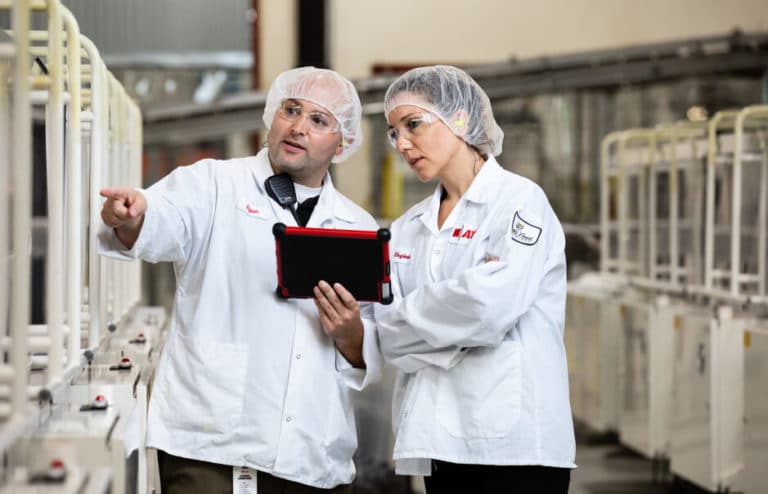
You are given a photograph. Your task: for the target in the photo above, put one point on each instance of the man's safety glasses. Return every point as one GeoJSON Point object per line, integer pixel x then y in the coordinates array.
{"type": "Point", "coordinates": [318, 122]}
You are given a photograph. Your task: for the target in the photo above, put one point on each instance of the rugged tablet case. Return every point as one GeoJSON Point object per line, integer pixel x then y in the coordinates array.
{"type": "Point", "coordinates": [357, 259]}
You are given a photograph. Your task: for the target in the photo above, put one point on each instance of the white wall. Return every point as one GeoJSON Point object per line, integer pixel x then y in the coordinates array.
{"type": "Point", "coordinates": [474, 31]}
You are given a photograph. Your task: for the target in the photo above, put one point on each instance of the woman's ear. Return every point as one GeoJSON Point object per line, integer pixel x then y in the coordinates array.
{"type": "Point", "coordinates": [460, 122]}
{"type": "Point", "coordinates": [341, 146]}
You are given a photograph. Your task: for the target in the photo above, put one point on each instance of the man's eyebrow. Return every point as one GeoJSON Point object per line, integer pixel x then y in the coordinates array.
{"type": "Point", "coordinates": [322, 112]}
{"type": "Point", "coordinates": [295, 102]}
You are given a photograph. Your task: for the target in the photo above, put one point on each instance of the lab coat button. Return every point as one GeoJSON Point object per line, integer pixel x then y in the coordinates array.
{"type": "Point", "coordinates": [298, 357]}
{"type": "Point", "coordinates": [288, 418]}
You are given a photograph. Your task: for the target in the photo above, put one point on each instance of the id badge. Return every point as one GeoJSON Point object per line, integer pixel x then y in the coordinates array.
{"type": "Point", "coordinates": [243, 480]}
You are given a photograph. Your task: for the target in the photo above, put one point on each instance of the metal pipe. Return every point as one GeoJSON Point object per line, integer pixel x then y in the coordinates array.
{"type": "Point", "coordinates": [652, 212]}
{"type": "Point", "coordinates": [762, 221]}
{"type": "Point", "coordinates": [96, 146]}
{"type": "Point", "coordinates": [104, 264]}
{"type": "Point", "coordinates": [674, 213]}
{"type": "Point", "coordinates": [74, 186]}
{"type": "Point", "coordinates": [605, 148]}
{"type": "Point", "coordinates": [136, 147]}
{"type": "Point", "coordinates": [54, 279]}
{"type": "Point", "coordinates": [116, 279]}
{"type": "Point", "coordinates": [5, 166]}
{"type": "Point", "coordinates": [22, 203]}
{"type": "Point", "coordinates": [709, 222]}
{"type": "Point", "coordinates": [736, 205]}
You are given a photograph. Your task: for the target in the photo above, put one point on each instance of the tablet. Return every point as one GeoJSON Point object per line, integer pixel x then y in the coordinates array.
{"type": "Point", "coordinates": [357, 259]}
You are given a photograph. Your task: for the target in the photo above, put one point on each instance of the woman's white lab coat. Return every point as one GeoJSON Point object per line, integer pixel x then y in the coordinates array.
{"type": "Point", "coordinates": [476, 329]}
{"type": "Point", "coordinates": [246, 378]}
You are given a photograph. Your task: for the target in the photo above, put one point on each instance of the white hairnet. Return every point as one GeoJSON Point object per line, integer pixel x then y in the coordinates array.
{"type": "Point", "coordinates": [325, 88]}
{"type": "Point", "coordinates": [453, 96]}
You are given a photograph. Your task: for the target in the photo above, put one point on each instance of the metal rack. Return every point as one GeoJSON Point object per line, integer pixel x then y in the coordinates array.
{"type": "Point", "coordinates": [92, 135]}
{"type": "Point", "coordinates": [684, 302]}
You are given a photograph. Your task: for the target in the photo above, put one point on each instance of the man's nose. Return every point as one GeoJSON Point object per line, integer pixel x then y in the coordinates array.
{"type": "Point", "coordinates": [300, 126]}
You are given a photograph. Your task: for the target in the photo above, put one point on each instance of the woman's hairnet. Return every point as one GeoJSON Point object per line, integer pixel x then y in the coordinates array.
{"type": "Point", "coordinates": [452, 95]}
{"type": "Point", "coordinates": [325, 88]}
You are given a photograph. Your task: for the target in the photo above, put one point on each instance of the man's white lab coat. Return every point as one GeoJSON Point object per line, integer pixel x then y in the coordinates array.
{"type": "Point", "coordinates": [246, 378]}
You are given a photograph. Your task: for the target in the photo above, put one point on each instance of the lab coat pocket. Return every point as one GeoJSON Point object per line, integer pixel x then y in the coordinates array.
{"type": "Point", "coordinates": [204, 384]}
{"type": "Point", "coordinates": [480, 396]}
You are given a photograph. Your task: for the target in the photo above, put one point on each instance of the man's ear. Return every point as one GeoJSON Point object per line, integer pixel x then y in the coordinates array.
{"type": "Point", "coordinates": [460, 122]}
{"type": "Point", "coordinates": [341, 146]}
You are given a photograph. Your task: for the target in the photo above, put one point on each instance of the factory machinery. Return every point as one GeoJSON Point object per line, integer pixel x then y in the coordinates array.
{"type": "Point", "coordinates": [668, 342]}
{"type": "Point", "coordinates": [73, 389]}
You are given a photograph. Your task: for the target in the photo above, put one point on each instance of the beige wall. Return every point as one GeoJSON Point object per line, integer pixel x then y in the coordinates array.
{"type": "Point", "coordinates": [471, 31]}
{"type": "Point", "coordinates": [364, 32]}
{"type": "Point", "coordinates": [277, 25]}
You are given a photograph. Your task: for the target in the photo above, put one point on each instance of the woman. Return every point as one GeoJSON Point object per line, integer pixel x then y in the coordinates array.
{"type": "Point", "coordinates": [476, 328]}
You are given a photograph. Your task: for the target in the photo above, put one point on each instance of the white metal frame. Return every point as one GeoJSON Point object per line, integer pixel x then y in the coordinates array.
{"type": "Point", "coordinates": [7, 55]}
{"type": "Point", "coordinates": [619, 163]}
{"type": "Point", "coordinates": [21, 156]}
{"type": "Point", "coordinates": [750, 119]}
{"type": "Point", "coordinates": [677, 151]}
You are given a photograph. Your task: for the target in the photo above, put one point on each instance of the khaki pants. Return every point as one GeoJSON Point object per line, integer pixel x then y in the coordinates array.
{"type": "Point", "coordinates": [184, 476]}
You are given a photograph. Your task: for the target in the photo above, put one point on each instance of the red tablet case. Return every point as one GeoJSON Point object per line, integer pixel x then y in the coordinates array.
{"type": "Point", "coordinates": [357, 259]}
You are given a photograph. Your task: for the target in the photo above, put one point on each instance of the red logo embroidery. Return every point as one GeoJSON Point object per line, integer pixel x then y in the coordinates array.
{"type": "Point", "coordinates": [399, 255]}
{"type": "Point", "coordinates": [251, 211]}
{"type": "Point", "coordinates": [468, 234]}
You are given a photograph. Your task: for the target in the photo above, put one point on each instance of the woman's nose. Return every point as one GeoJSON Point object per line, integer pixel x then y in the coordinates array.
{"type": "Point", "coordinates": [402, 144]}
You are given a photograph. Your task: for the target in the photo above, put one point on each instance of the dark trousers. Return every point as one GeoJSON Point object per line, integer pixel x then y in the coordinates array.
{"type": "Point", "coordinates": [479, 479]}
{"type": "Point", "coordinates": [184, 476]}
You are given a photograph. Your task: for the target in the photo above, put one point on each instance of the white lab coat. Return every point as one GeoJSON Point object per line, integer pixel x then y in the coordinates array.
{"type": "Point", "coordinates": [478, 342]}
{"type": "Point", "coordinates": [246, 378]}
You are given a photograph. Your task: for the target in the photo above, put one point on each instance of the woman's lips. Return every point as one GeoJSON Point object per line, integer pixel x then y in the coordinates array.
{"type": "Point", "coordinates": [413, 162]}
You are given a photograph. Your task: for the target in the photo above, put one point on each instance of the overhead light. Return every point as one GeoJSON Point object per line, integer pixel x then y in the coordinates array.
{"type": "Point", "coordinates": [170, 85]}
{"type": "Point", "coordinates": [142, 87]}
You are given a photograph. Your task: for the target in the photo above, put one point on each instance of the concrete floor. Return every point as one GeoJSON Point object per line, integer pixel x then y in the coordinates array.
{"type": "Point", "coordinates": [606, 467]}
{"type": "Point", "coordinates": [612, 469]}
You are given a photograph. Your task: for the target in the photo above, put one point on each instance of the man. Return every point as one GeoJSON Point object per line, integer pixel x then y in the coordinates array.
{"type": "Point", "coordinates": [245, 378]}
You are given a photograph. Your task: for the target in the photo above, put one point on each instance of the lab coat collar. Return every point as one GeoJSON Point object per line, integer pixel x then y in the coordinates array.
{"type": "Point", "coordinates": [482, 189]}
{"type": "Point", "coordinates": [329, 204]}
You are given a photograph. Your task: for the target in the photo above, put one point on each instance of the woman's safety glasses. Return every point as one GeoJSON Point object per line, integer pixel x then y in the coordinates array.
{"type": "Point", "coordinates": [318, 122]}
{"type": "Point", "coordinates": [410, 126]}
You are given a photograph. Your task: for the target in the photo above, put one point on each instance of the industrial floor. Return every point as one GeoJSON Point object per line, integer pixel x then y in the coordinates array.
{"type": "Point", "coordinates": [606, 467]}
